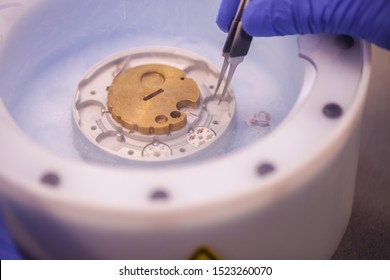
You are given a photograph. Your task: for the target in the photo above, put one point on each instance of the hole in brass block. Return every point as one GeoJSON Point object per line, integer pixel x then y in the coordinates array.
{"type": "Point", "coordinates": [175, 114]}
{"type": "Point", "coordinates": [161, 119]}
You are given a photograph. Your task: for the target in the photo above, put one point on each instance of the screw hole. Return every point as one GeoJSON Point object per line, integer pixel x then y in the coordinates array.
{"type": "Point", "coordinates": [94, 127]}
{"type": "Point", "coordinates": [265, 168]}
{"type": "Point", "coordinates": [211, 87]}
{"type": "Point", "coordinates": [93, 92]}
{"type": "Point", "coordinates": [182, 150]}
{"type": "Point", "coordinates": [332, 110]}
{"type": "Point", "coordinates": [216, 122]}
{"type": "Point", "coordinates": [130, 152]}
{"type": "Point", "coordinates": [175, 114]}
{"type": "Point", "coordinates": [50, 179]}
{"type": "Point", "coordinates": [159, 195]}
{"type": "Point", "coordinates": [161, 119]}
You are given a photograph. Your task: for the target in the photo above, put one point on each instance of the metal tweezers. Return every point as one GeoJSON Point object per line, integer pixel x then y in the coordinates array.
{"type": "Point", "coordinates": [235, 49]}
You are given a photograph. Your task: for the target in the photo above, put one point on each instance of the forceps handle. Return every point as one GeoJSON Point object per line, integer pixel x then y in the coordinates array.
{"type": "Point", "coordinates": [241, 43]}
{"type": "Point", "coordinates": [238, 41]}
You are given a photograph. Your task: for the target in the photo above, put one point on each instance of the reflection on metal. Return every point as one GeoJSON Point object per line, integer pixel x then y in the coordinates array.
{"type": "Point", "coordinates": [204, 253]}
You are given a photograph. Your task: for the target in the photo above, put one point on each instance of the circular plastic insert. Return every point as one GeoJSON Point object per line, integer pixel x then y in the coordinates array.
{"type": "Point", "coordinates": [152, 105]}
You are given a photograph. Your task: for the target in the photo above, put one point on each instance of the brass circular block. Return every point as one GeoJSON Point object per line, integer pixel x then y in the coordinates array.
{"type": "Point", "coordinates": [148, 98]}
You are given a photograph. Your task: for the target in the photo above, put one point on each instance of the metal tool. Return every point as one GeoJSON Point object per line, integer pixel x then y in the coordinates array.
{"type": "Point", "coordinates": [235, 49]}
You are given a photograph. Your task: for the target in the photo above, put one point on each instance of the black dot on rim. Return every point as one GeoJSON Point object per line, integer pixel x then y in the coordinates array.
{"type": "Point", "coordinates": [332, 110]}
{"type": "Point", "coordinates": [159, 195]}
{"type": "Point", "coordinates": [265, 168]}
{"type": "Point", "coordinates": [344, 41]}
{"type": "Point", "coordinates": [50, 179]}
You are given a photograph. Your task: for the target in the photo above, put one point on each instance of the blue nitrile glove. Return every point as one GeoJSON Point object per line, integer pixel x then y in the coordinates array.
{"type": "Point", "coordinates": [8, 250]}
{"type": "Point", "coordinates": [367, 19]}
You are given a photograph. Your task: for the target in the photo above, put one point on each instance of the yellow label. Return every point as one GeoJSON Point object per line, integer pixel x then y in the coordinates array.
{"type": "Point", "coordinates": [204, 253]}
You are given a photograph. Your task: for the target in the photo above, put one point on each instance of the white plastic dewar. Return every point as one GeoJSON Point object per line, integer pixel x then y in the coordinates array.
{"type": "Point", "coordinates": [285, 196]}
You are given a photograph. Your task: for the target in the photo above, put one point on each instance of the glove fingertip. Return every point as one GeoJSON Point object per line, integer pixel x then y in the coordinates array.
{"type": "Point", "coordinates": [256, 23]}
{"type": "Point", "coordinates": [222, 23]}
{"type": "Point", "coordinates": [226, 13]}
{"type": "Point", "coordinates": [266, 18]}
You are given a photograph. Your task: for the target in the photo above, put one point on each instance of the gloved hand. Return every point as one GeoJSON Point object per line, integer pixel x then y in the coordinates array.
{"type": "Point", "coordinates": [367, 19]}
{"type": "Point", "coordinates": [8, 249]}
